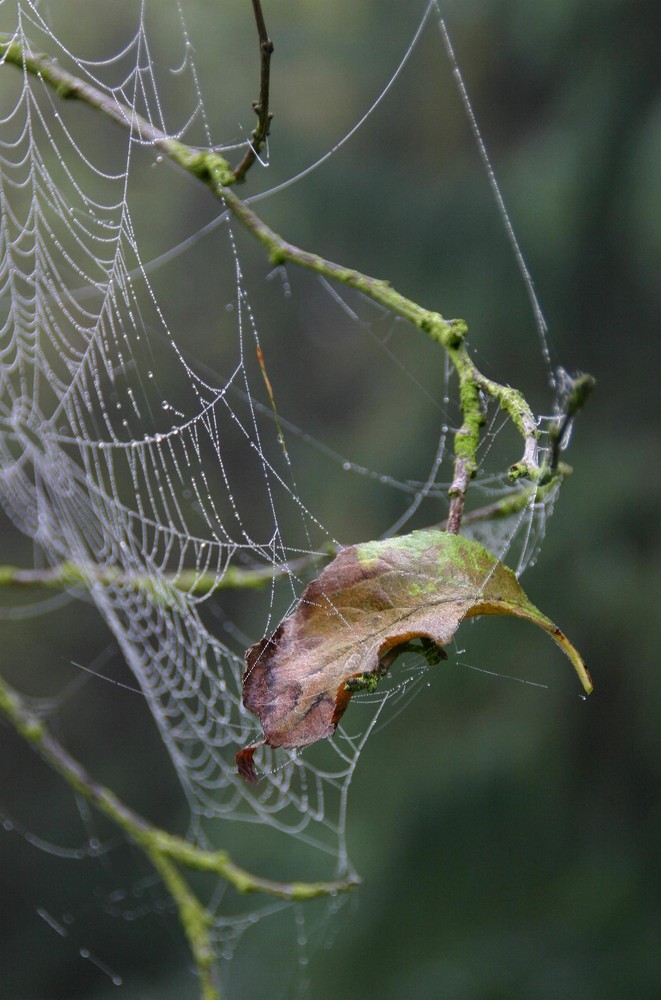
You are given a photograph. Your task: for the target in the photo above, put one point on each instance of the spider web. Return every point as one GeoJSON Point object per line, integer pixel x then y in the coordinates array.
{"type": "Point", "coordinates": [124, 454]}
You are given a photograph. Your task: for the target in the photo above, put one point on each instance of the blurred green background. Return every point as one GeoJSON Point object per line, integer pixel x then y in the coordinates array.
{"type": "Point", "coordinates": [508, 837]}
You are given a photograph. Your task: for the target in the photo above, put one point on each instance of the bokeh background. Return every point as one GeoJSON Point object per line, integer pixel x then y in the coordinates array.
{"type": "Point", "coordinates": [508, 836]}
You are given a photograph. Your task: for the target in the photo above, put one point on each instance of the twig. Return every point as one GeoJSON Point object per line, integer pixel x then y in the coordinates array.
{"type": "Point", "coordinates": [260, 106]}
{"type": "Point", "coordinates": [68, 575]}
{"type": "Point", "coordinates": [473, 385]}
{"type": "Point", "coordinates": [577, 392]}
{"type": "Point", "coordinates": [190, 581]}
{"type": "Point", "coordinates": [214, 171]}
{"type": "Point", "coordinates": [513, 503]}
{"type": "Point", "coordinates": [151, 838]}
{"type": "Point", "coordinates": [466, 441]}
{"type": "Point", "coordinates": [164, 850]}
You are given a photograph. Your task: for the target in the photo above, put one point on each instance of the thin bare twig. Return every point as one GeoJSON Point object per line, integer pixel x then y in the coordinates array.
{"type": "Point", "coordinates": [260, 106]}
{"type": "Point", "coordinates": [577, 392]}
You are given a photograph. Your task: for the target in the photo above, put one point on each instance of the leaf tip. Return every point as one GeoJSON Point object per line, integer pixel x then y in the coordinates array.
{"type": "Point", "coordinates": [575, 657]}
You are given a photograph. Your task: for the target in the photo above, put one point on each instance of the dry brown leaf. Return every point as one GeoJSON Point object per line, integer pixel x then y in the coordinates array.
{"type": "Point", "coordinates": [370, 601]}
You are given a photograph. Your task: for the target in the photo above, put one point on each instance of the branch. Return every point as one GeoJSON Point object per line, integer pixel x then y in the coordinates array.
{"type": "Point", "coordinates": [214, 171]}
{"type": "Point", "coordinates": [261, 106]}
{"type": "Point", "coordinates": [472, 383]}
{"type": "Point", "coordinates": [514, 503]}
{"type": "Point", "coordinates": [190, 581]}
{"type": "Point", "coordinates": [69, 575]}
{"type": "Point", "coordinates": [164, 850]}
{"type": "Point", "coordinates": [466, 441]}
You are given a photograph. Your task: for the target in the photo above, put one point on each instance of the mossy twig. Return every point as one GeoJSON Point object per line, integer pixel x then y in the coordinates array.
{"type": "Point", "coordinates": [166, 852]}
{"type": "Point", "coordinates": [67, 575]}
